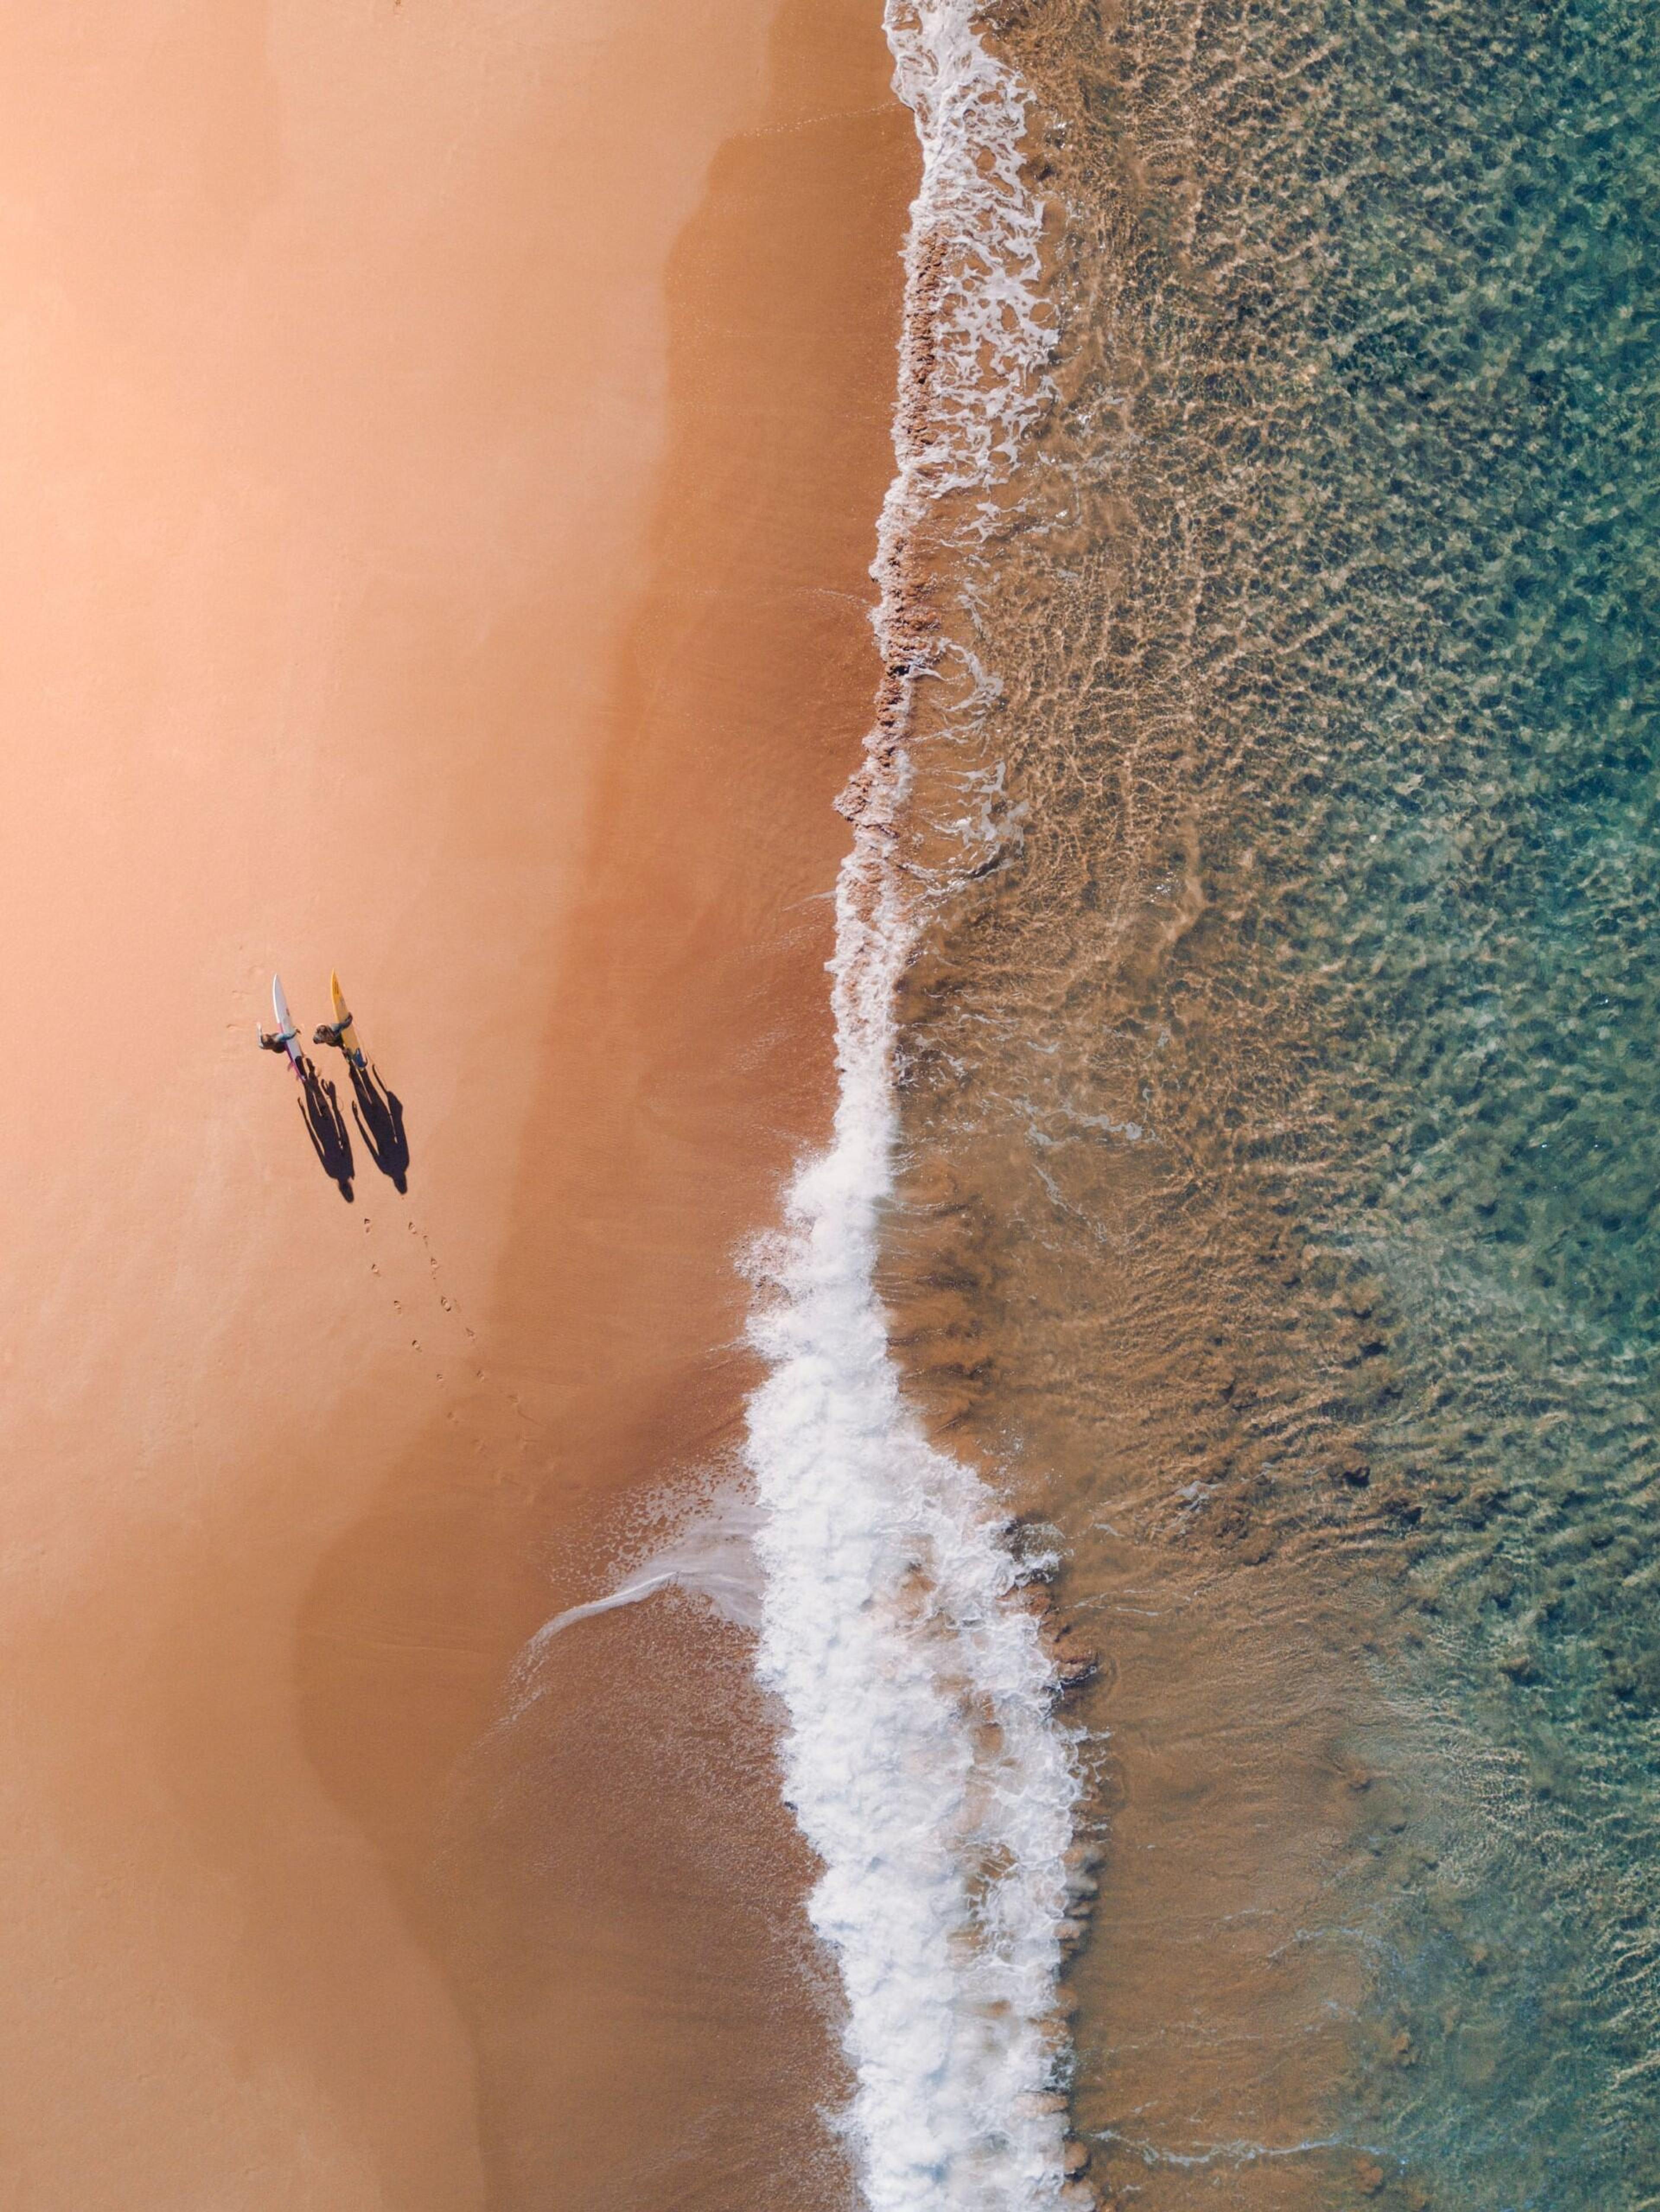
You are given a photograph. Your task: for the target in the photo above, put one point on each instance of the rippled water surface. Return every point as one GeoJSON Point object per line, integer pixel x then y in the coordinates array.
{"type": "Point", "coordinates": [1280, 1089]}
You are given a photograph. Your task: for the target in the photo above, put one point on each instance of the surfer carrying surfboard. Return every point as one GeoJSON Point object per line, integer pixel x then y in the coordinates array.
{"type": "Point", "coordinates": [287, 1038]}
{"type": "Point", "coordinates": [340, 1031]}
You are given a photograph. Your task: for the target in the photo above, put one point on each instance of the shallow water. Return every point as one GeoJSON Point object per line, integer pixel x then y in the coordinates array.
{"type": "Point", "coordinates": [1280, 1205]}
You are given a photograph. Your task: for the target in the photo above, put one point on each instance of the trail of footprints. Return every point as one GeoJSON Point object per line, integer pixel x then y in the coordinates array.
{"type": "Point", "coordinates": [447, 1316]}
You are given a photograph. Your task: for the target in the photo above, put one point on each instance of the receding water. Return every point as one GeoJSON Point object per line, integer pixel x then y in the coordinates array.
{"type": "Point", "coordinates": [1280, 1091]}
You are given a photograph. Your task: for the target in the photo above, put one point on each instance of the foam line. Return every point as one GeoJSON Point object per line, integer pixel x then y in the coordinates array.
{"type": "Point", "coordinates": [921, 1753]}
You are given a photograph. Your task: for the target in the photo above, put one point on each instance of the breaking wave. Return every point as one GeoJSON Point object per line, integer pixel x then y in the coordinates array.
{"type": "Point", "coordinates": [921, 1752]}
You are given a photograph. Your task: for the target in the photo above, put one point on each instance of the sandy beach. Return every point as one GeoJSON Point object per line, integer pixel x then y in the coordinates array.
{"type": "Point", "coordinates": [443, 462]}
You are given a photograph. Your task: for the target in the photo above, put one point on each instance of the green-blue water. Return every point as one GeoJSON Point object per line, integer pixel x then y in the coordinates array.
{"type": "Point", "coordinates": [1294, 1066]}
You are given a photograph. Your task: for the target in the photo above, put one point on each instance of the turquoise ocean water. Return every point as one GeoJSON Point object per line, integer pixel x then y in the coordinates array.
{"type": "Point", "coordinates": [1290, 1063]}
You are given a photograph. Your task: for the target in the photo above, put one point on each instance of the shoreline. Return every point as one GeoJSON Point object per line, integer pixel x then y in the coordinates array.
{"type": "Point", "coordinates": [917, 1668]}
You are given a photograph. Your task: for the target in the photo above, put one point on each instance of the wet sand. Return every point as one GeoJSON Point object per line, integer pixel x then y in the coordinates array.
{"type": "Point", "coordinates": [445, 464]}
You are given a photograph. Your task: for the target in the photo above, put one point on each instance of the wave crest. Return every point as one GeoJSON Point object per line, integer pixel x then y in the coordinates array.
{"type": "Point", "coordinates": [921, 1753]}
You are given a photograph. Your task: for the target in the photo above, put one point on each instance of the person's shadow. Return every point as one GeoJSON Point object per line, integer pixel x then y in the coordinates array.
{"type": "Point", "coordinates": [379, 1114]}
{"type": "Point", "coordinates": [326, 1125]}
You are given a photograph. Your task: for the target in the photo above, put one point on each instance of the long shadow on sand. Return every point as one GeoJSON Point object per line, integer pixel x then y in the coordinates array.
{"type": "Point", "coordinates": [326, 1125]}
{"type": "Point", "coordinates": [379, 1114]}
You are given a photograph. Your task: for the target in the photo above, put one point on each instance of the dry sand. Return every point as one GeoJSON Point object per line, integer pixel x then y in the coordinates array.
{"type": "Point", "coordinates": [441, 455]}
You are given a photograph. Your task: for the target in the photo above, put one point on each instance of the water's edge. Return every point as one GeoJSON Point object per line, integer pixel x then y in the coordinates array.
{"type": "Point", "coordinates": [921, 1751]}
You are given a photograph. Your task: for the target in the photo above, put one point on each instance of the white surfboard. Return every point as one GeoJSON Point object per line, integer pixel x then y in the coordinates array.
{"type": "Point", "coordinates": [285, 1028]}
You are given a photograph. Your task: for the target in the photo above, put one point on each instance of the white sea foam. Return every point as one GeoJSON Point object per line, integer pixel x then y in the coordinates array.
{"type": "Point", "coordinates": [703, 1546]}
{"type": "Point", "coordinates": [708, 1553]}
{"type": "Point", "coordinates": [921, 1752]}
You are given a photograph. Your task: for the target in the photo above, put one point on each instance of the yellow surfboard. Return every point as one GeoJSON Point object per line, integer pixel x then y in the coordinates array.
{"type": "Point", "coordinates": [343, 1023]}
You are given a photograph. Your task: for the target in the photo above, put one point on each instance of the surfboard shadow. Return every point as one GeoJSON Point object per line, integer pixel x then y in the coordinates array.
{"type": "Point", "coordinates": [326, 1125]}
{"type": "Point", "coordinates": [379, 1114]}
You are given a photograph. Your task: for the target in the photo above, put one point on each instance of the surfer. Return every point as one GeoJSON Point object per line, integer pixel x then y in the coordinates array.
{"type": "Point", "coordinates": [339, 1032]}
{"type": "Point", "coordinates": [286, 1038]}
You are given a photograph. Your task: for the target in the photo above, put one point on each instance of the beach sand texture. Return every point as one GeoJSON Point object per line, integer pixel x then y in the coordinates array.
{"type": "Point", "coordinates": [443, 457]}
